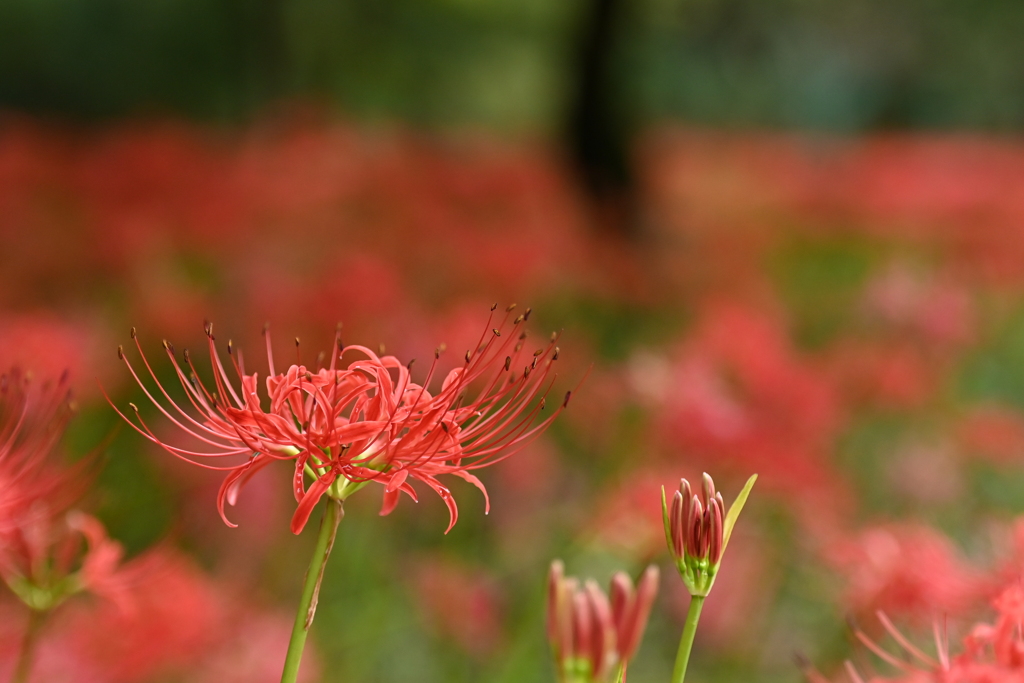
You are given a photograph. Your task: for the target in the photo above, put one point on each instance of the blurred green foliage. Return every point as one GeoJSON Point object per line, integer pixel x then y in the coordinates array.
{"type": "Point", "coordinates": [805, 63]}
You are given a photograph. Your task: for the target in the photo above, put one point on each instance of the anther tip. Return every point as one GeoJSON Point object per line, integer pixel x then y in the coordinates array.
{"type": "Point", "coordinates": [494, 305]}
{"type": "Point", "coordinates": [133, 332]}
{"type": "Point", "coordinates": [568, 395]}
{"type": "Point", "coordinates": [120, 352]}
{"type": "Point", "coordinates": [510, 308]}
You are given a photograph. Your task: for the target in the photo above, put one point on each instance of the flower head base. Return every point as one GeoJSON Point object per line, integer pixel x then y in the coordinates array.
{"type": "Point", "coordinates": [345, 426]}
{"type": "Point", "coordinates": [593, 637]}
{"type": "Point", "coordinates": [697, 530]}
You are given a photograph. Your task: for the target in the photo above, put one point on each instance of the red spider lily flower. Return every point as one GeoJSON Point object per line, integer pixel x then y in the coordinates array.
{"type": "Point", "coordinates": [593, 637]}
{"type": "Point", "coordinates": [697, 530]}
{"type": "Point", "coordinates": [40, 539]}
{"type": "Point", "coordinates": [43, 562]}
{"type": "Point", "coordinates": [345, 426]}
{"type": "Point", "coordinates": [32, 421]}
{"type": "Point", "coordinates": [910, 571]}
{"type": "Point", "coordinates": [991, 652]}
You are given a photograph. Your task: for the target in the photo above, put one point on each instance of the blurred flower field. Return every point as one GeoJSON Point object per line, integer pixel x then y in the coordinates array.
{"type": "Point", "coordinates": [842, 316]}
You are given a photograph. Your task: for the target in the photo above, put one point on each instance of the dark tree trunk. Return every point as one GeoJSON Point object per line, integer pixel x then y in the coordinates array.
{"type": "Point", "coordinates": [597, 131]}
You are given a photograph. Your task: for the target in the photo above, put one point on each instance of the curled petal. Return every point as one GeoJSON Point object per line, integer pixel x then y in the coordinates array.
{"type": "Point", "coordinates": [462, 474]}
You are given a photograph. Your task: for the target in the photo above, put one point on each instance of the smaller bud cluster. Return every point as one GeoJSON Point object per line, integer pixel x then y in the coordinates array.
{"type": "Point", "coordinates": [594, 637]}
{"type": "Point", "coordinates": [697, 529]}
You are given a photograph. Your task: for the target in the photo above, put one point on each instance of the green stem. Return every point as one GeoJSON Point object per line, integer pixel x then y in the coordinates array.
{"type": "Point", "coordinates": [686, 642]}
{"type": "Point", "coordinates": [28, 646]}
{"type": "Point", "coordinates": [311, 589]}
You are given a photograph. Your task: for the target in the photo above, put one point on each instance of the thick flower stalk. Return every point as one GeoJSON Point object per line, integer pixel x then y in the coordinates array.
{"type": "Point", "coordinates": [697, 531]}
{"type": "Point", "coordinates": [593, 637]}
{"type": "Point", "coordinates": [360, 420]}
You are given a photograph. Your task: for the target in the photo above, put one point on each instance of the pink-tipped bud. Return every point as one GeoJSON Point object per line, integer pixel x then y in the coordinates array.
{"type": "Point", "coordinates": [715, 531]}
{"type": "Point", "coordinates": [632, 621]}
{"type": "Point", "coordinates": [708, 487]}
{"type": "Point", "coordinates": [696, 522]}
{"type": "Point", "coordinates": [587, 628]}
{"type": "Point", "coordinates": [677, 525]}
{"type": "Point", "coordinates": [602, 649]}
{"type": "Point", "coordinates": [556, 577]}
{"type": "Point", "coordinates": [582, 626]}
{"type": "Point", "coordinates": [694, 526]}
{"type": "Point", "coordinates": [622, 596]}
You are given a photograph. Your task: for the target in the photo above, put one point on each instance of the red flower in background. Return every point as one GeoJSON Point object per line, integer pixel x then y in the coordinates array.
{"type": "Point", "coordinates": [368, 421]}
{"type": "Point", "coordinates": [992, 652]}
{"type": "Point", "coordinates": [41, 558]}
{"type": "Point", "coordinates": [906, 570]}
{"type": "Point", "coordinates": [172, 621]}
{"type": "Point", "coordinates": [737, 392]}
{"type": "Point", "coordinates": [32, 420]}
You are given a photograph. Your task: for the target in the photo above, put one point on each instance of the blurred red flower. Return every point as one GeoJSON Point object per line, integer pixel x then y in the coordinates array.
{"type": "Point", "coordinates": [906, 570]}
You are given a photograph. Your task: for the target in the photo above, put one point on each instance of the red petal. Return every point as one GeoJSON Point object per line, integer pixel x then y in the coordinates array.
{"type": "Point", "coordinates": [309, 501]}
{"type": "Point", "coordinates": [477, 483]}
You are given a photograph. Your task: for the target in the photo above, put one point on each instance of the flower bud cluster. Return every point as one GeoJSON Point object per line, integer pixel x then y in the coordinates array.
{"type": "Point", "coordinates": [696, 523]}
{"type": "Point", "coordinates": [594, 637]}
{"type": "Point", "coordinates": [697, 529]}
